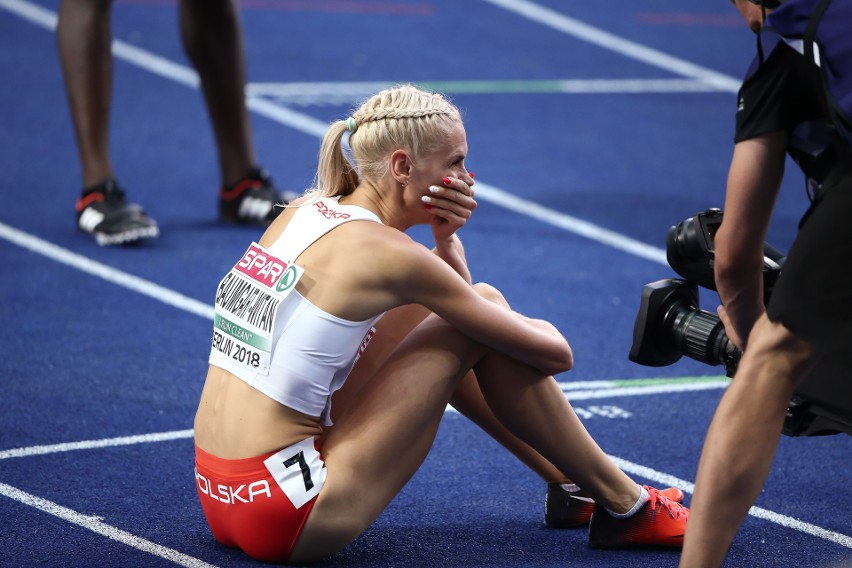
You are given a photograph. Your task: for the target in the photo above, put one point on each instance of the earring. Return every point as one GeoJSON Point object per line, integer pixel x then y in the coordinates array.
{"type": "Point", "coordinates": [405, 183]}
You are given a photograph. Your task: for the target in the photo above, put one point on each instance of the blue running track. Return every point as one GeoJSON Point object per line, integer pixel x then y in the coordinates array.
{"type": "Point", "coordinates": [592, 127]}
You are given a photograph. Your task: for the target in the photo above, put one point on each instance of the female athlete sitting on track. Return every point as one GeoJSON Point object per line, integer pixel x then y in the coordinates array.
{"type": "Point", "coordinates": [274, 477]}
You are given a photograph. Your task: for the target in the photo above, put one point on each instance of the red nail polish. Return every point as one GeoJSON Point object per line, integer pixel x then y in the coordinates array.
{"type": "Point", "coordinates": [446, 181]}
{"type": "Point", "coordinates": [471, 174]}
{"type": "Point", "coordinates": [427, 207]}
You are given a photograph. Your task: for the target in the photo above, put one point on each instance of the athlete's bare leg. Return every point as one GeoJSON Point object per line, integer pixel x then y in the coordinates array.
{"type": "Point", "coordinates": [467, 398]}
{"type": "Point", "coordinates": [742, 440]}
{"type": "Point", "coordinates": [84, 38]}
{"type": "Point", "coordinates": [383, 439]}
{"type": "Point", "coordinates": [213, 40]}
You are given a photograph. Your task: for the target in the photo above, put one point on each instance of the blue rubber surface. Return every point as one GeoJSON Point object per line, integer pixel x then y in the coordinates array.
{"type": "Point", "coordinates": [112, 366]}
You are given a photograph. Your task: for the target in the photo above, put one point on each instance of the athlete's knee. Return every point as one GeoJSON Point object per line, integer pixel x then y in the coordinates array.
{"type": "Point", "coordinates": [490, 293]}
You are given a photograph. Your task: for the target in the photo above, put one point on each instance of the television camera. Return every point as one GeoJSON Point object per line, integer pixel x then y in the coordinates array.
{"type": "Point", "coordinates": [670, 324]}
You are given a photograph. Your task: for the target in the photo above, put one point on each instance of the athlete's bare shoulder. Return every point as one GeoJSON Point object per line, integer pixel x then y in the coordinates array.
{"type": "Point", "coordinates": [382, 248]}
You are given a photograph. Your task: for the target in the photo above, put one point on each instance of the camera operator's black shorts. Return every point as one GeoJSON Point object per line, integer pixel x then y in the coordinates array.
{"type": "Point", "coordinates": [813, 295]}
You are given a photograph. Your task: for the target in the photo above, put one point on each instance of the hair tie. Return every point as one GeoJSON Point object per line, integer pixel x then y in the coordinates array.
{"type": "Point", "coordinates": [351, 125]}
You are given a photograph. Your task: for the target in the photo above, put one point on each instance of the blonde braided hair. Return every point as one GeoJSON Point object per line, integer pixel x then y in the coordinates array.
{"type": "Point", "coordinates": [403, 117]}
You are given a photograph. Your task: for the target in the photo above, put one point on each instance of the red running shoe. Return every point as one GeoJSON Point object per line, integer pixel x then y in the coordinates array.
{"type": "Point", "coordinates": [566, 506]}
{"type": "Point", "coordinates": [660, 522]}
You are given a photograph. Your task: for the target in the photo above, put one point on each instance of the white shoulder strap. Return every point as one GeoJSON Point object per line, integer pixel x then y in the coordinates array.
{"type": "Point", "coordinates": [314, 219]}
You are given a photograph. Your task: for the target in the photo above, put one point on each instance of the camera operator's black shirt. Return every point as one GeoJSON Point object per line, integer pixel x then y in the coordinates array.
{"type": "Point", "coordinates": [778, 96]}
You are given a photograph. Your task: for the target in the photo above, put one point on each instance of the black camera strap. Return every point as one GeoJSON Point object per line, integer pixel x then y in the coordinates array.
{"type": "Point", "coordinates": [832, 109]}
{"type": "Point", "coordinates": [834, 115]}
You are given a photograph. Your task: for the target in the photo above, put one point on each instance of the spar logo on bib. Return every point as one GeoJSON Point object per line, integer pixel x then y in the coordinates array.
{"type": "Point", "coordinates": [291, 276]}
{"type": "Point", "coordinates": [266, 269]}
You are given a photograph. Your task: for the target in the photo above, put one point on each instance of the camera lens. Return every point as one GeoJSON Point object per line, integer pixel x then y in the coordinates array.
{"type": "Point", "coordinates": [700, 335]}
{"type": "Point", "coordinates": [670, 324]}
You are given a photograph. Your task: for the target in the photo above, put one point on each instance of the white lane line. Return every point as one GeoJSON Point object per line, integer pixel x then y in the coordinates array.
{"type": "Point", "coordinates": [343, 93]}
{"type": "Point", "coordinates": [106, 272]}
{"type": "Point", "coordinates": [163, 67]}
{"type": "Point", "coordinates": [33, 13]}
{"type": "Point", "coordinates": [47, 19]}
{"type": "Point", "coordinates": [666, 480]}
{"type": "Point", "coordinates": [658, 477]}
{"type": "Point", "coordinates": [802, 526]}
{"type": "Point", "coordinates": [596, 36]}
{"type": "Point", "coordinates": [317, 128]}
{"type": "Point", "coordinates": [644, 390]}
{"type": "Point", "coordinates": [288, 117]}
{"type": "Point", "coordinates": [573, 391]}
{"type": "Point", "coordinates": [497, 196]}
{"type": "Point", "coordinates": [96, 525]}
{"type": "Point", "coordinates": [93, 444]}
{"type": "Point", "coordinates": [545, 16]}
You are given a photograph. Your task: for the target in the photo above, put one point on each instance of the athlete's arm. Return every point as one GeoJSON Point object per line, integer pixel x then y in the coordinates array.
{"type": "Point", "coordinates": [423, 279]}
{"type": "Point", "coordinates": [754, 179]}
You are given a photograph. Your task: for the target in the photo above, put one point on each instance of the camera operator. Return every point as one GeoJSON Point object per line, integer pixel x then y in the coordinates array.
{"type": "Point", "coordinates": [787, 103]}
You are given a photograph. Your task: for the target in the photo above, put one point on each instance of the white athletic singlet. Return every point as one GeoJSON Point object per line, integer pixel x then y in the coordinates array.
{"type": "Point", "coordinates": [274, 339]}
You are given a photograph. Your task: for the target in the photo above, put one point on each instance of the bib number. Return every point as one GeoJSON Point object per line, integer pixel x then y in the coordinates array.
{"type": "Point", "coordinates": [247, 302]}
{"type": "Point", "coordinates": [299, 471]}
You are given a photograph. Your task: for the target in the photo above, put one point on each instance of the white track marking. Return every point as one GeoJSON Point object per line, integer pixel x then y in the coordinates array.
{"type": "Point", "coordinates": [666, 480]}
{"type": "Point", "coordinates": [644, 390]}
{"type": "Point", "coordinates": [96, 525]}
{"type": "Point", "coordinates": [349, 93]}
{"type": "Point", "coordinates": [181, 74]}
{"type": "Point", "coordinates": [630, 49]}
{"type": "Point", "coordinates": [108, 273]}
{"type": "Point", "coordinates": [569, 223]}
{"type": "Point", "coordinates": [93, 523]}
{"type": "Point", "coordinates": [92, 444]}
{"type": "Point", "coordinates": [317, 128]}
